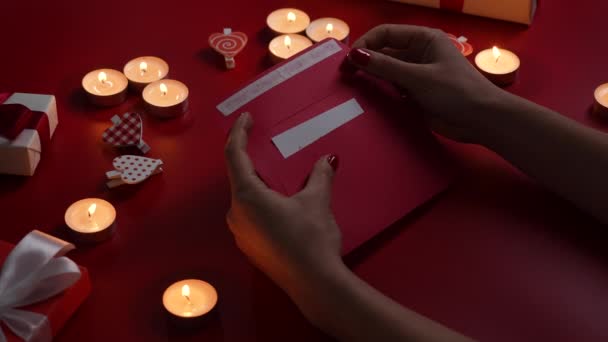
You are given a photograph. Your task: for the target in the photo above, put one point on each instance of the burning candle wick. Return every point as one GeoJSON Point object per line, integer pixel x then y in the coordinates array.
{"type": "Point", "coordinates": [91, 210]}
{"type": "Point", "coordinates": [143, 67]}
{"type": "Point", "coordinates": [497, 54]}
{"type": "Point", "coordinates": [186, 293]}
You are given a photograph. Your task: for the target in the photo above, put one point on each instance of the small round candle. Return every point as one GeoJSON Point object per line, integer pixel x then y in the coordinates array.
{"type": "Point", "coordinates": [288, 20]}
{"type": "Point", "coordinates": [105, 87]}
{"type": "Point", "coordinates": [600, 107]}
{"type": "Point", "coordinates": [189, 298]}
{"type": "Point", "coordinates": [498, 65]}
{"type": "Point", "coordinates": [328, 28]}
{"type": "Point", "coordinates": [166, 98]}
{"type": "Point", "coordinates": [142, 71]}
{"type": "Point", "coordinates": [285, 46]}
{"type": "Point", "coordinates": [91, 219]}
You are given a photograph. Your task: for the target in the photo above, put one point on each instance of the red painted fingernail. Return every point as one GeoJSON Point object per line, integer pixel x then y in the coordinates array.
{"type": "Point", "coordinates": [246, 120]}
{"type": "Point", "coordinates": [360, 57]}
{"type": "Point", "coordinates": [333, 161]}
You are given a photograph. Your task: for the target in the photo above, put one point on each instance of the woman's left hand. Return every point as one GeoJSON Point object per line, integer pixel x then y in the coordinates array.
{"type": "Point", "coordinates": [296, 242]}
{"type": "Point", "coordinates": [285, 237]}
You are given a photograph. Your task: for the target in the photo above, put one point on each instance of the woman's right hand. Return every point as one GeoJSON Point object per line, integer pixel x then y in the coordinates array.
{"type": "Point", "coordinates": [426, 65]}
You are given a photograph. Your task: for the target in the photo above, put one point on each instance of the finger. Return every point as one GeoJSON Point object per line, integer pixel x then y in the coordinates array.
{"type": "Point", "coordinates": [395, 36]}
{"type": "Point", "coordinates": [389, 68]}
{"type": "Point", "coordinates": [240, 167]}
{"type": "Point", "coordinates": [449, 131]}
{"type": "Point", "coordinates": [402, 55]}
{"type": "Point", "coordinates": [321, 178]}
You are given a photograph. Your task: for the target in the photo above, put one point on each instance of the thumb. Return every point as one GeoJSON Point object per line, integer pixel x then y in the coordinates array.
{"type": "Point", "coordinates": [321, 177]}
{"type": "Point", "coordinates": [386, 67]}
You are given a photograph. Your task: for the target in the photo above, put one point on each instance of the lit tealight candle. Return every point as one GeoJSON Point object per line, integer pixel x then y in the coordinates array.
{"type": "Point", "coordinates": [166, 98]}
{"type": "Point", "coordinates": [91, 219]}
{"type": "Point", "coordinates": [328, 28]}
{"type": "Point", "coordinates": [498, 65]}
{"type": "Point", "coordinates": [287, 45]}
{"type": "Point", "coordinates": [288, 20]}
{"type": "Point", "coordinates": [600, 107]}
{"type": "Point", "coordinates": [142, 71]}
{"type": "Point", "coordinates": [105, 87]}
{"type": "Point", "coordinates": [190, 298]}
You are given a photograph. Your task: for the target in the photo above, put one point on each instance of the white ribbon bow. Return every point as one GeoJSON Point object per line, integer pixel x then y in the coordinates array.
{"type": "Point", "coordinates": [34, 271]}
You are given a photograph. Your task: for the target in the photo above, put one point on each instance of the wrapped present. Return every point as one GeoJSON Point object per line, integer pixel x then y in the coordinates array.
{"type": "Point", "coordinates": [27, 123]}
{"type": "Point", "coordinates": [519, 11]}
{"type": "Point", "coordinates": [40, 288]}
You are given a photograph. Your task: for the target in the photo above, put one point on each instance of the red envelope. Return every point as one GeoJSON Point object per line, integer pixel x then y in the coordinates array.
{"type": "Point", "coordinates": [390, 163]}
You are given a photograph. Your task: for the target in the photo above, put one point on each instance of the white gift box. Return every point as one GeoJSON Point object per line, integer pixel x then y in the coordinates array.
{"type": "Point", "coordinates": [519, 11]}
{"type": "Point", "coordinates": [21, 155]}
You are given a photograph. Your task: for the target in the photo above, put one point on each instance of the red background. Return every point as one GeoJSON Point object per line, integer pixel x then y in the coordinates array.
{"type": "Point", "coordinates": [496, 257]}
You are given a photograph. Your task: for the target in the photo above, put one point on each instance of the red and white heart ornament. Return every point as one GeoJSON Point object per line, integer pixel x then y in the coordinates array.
{"type": "Point", "coordinates": [127, 130]}
{"type": "Point", "coordinates": [129, 169]}
{"type": "Point", "coordinates": [228, 44]}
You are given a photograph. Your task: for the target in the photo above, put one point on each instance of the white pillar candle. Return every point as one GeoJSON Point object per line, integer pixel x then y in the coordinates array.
{"type": "Point", "coordinates": [328, 28]}
{"type": "Point", "coordinates": [189, 298]}
{"type": "Point", "coordinates": [105, 87]}
{"type": "Point", "coordinates": [499, 65]}
{"type": "Point", "coordinates": [287, 20]}
{"type": "Point", "coordinates": [142, 71]}
{"type": "Point", "coordinates": [166, 98]}
{"type": "Point", "coordinates": [285, 46]}
{"type": "Point", "coordinates": [600, 107]}
{"type": "Point", "coordinates": [91, 219]}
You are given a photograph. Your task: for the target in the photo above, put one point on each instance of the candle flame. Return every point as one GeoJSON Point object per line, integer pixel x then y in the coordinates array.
{"type": "Point", "coordinates": [143, 66]}
{"type": "Point", "coordinates": [186, 290]}
{"type": "Point", "coordinates": [287, 42]}
{"type": "Point", "coordinates": [329, 28]}
{"type": "Point", "coordinates": [163, 90]}
{"type": "Point", "coordinates": [92, 209]}
{"type": "Point", "coordinates": [102, 77]}
{"type": "Point", "coordinates": [291, 17]}
{"type": "Point", "coordinates": [496, 53]}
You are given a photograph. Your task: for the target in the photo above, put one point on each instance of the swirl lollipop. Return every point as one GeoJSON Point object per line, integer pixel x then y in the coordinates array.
{"type": "Point", "coordinates": [228, 44]}
{"type": "Point", "coordinates": [461, 44]}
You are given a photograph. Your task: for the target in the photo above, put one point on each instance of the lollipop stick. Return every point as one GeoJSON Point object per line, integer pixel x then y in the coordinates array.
{"type": "Point", "coordinates": [230, 63]}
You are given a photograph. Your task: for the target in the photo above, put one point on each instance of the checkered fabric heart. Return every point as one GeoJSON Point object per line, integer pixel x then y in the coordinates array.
{"type": "Point", "coordinates": [126, 131]}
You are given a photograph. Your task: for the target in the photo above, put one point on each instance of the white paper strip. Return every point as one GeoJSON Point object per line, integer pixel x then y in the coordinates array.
{"type": "Point", "coordinates": [278, 76]}
{"type": "Point", "coordinates": [304, 134]}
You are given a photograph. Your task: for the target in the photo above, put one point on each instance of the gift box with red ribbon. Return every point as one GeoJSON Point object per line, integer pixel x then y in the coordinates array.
{"type": "Point", "coordinates": [519, 11]}
{"type": "Point", "coordinates": [27, 123]}
{"type": "Point", "coordinates": [40, 288]}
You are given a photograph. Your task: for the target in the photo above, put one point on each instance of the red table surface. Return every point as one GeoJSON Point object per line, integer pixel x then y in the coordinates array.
{"type": "Point", "coordinates": [496, 257]}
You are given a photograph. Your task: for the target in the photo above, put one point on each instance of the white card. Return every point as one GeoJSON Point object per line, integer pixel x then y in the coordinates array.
{"type": "Point", "coordinates": [306, 133]}
{"type": "Point", "coordinates": [278, 76]}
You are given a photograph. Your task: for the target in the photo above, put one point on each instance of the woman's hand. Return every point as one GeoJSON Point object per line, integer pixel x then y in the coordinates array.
{"type": "Point", "coordinates": [567, 157]}
{"type": "Point", "coordinates": [296, 242]}
{"type": "Point", "coordinates": [283, 236]}
{"type": "Point", "coordinates": [425, 64]}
